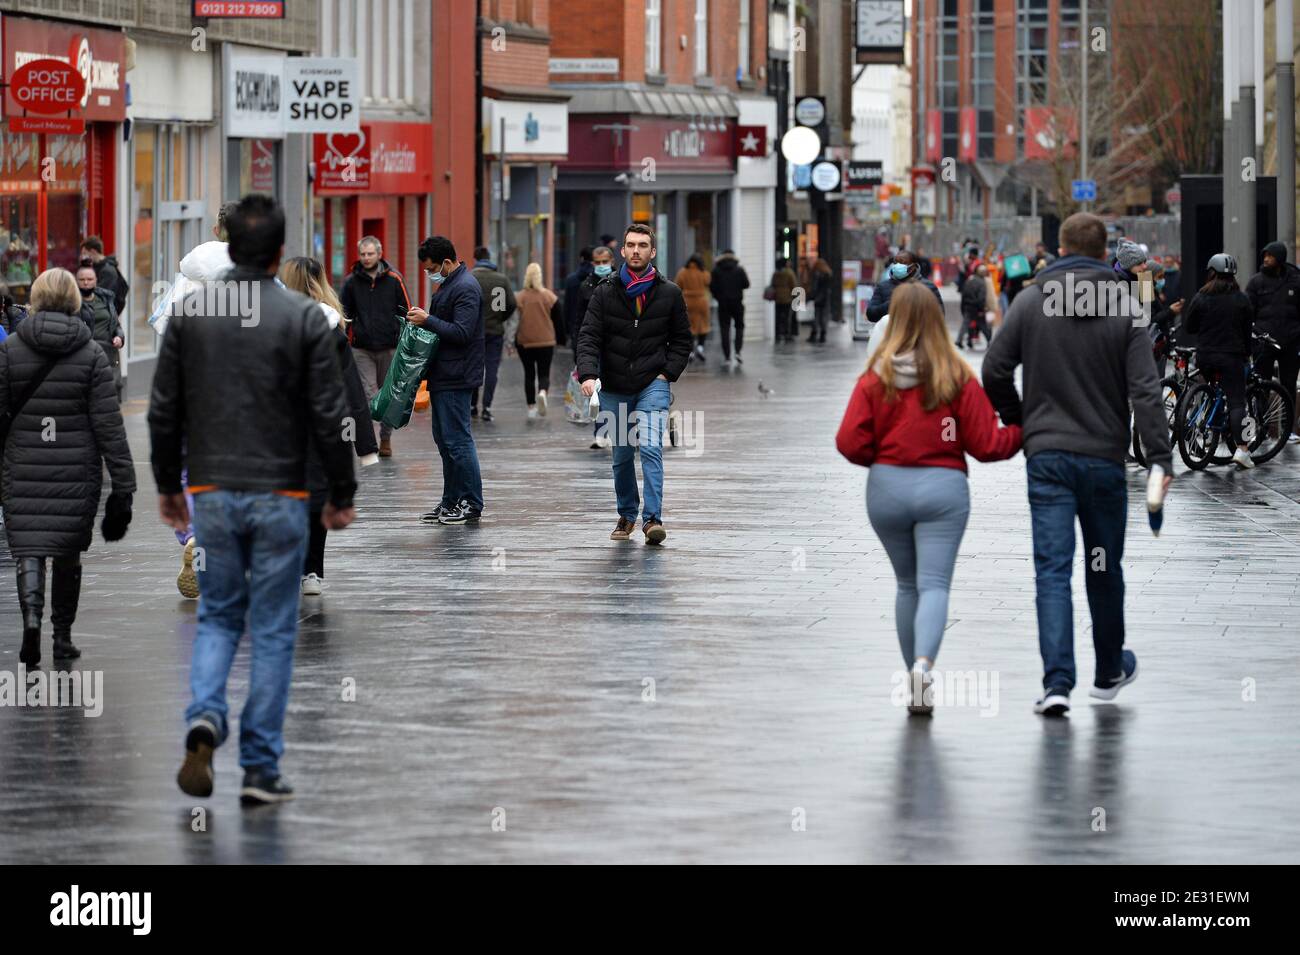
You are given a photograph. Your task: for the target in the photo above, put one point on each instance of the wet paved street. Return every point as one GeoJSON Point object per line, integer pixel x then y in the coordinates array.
{"type": "Point", "coordinates": [502, 671]}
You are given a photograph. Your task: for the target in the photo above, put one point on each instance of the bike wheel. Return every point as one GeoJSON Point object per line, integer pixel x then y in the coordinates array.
{"type": "Point", "coordinates": [1170, 392]}
{"type": "Point", "coordinates": [1273, 413]}
{"type": "Point", "coordinates": [1197, 437]}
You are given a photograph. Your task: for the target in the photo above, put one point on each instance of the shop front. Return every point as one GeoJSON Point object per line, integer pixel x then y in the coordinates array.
{"type": "Point", "coordinates": [254, 125]}
{"type": "Point", "coordinates": [524, 139]}
{"type": "Point", "coordinates": [375, 182]}
{"type": "Point", "coordinates": [64, 105]}
{"type": "Point", "coordinates": [175, 178]}
{"type": "Point", "coordinates": [675, 175]}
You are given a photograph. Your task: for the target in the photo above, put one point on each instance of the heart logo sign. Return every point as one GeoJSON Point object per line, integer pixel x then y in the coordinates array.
{"type": "Point", "coordinates": [342, 147]}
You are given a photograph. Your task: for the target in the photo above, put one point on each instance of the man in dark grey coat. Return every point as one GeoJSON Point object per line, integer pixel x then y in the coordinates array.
{"type": "Point", "coordinates": [68, 426]}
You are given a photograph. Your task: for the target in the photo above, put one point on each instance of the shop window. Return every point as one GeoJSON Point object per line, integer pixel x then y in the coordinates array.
{"type": "Point", "coordinates": [19, 184]}
{"type": "Point", "coordinates": [140, 334]}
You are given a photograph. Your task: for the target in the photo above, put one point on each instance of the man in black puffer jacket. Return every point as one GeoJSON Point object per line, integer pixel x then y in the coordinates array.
{"type": "Point", "coordinates": [637, 338]}
{"type": "Point", "coordinates": [1274, 293]}
{"type": "Point", "coordinates": [375, 302]}
{"type": "Point", "coordinates": [245, 377]}
{"type": "Point", "coordinates": [69, 427]}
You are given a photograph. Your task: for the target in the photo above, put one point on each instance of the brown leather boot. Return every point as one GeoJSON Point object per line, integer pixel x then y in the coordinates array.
{"type": "Point", "coordinates": [386, 448]}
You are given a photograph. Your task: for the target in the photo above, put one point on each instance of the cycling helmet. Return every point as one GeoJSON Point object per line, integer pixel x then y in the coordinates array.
{"type": "Point", "coordinates": [1223, 263]}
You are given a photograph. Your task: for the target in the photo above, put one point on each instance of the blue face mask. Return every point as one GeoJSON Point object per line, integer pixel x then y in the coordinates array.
{"type": "Point", "coordinates": [604, 269]}
{"type": "Point", "coordinates": [436, 276]}
{"type": "Point", "coordinates": [898, 271]}
{"type": "Point", "coordinates": [1160, 285]}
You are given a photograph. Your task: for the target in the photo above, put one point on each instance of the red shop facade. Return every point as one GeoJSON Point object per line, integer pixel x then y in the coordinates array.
{"type": "Point", "coordinates": [676, 175]}
{"type": "Point", "coordinates": [58, 153]}
{"type": "Point", "coordinates": [376, 182]}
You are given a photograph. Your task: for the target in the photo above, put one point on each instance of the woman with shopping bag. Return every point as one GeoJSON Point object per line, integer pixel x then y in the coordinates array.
{"type": "Point", "coordinates": [306, 276]}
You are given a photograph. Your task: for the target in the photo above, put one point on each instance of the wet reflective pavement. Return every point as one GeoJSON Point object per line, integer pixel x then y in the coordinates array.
{"type": "Point", "coordinates": [503, 706]}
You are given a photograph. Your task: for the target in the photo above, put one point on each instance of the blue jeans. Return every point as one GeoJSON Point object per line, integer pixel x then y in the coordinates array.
{"type": "Point", "coordinates": [253, 548]}
{"type": "Point", "coordinates": [633, 421]}
{"type": "Point", "coordinates": [919, 514]}
{"type": "Point", "coordinates": [461, 480]}
{"type": "Point", "coordinates": [1063, 486]}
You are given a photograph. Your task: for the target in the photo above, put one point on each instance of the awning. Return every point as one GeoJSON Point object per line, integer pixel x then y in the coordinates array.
{"type": "Point", "coordinates": [649, 102]}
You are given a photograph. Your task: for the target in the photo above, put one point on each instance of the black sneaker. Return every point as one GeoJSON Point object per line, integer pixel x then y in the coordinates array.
{"type": "Point", "coordinates": [1055, 702]}
{"type": "Point", "coordinates": [261, 788]}
{"type": "Point", "coordinates": [473, 412]}
{"type": "Point", "coordinates": [462, 513]}
{"type": "Point", "coordinates": [435, 516]}
{"type": "Point", "coordinates": [487, 414]}
{"type": "Point", "coordinates": [1109, 689]}
{"type": "Point", "coordinates": [195, 777]}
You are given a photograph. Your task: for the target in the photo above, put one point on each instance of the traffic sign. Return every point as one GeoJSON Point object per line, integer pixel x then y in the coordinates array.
{"type": "Point", "coordinates": [1083, 190]}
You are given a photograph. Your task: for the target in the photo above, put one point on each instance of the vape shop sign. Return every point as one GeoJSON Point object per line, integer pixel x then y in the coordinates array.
{"type": "Point", "coordinates": [268, 94]}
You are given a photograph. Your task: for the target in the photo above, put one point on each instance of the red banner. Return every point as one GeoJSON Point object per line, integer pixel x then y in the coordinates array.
{"type": "Point", "coordinates": [968, 135]}
{"type": "Point", "coordinates": [657, 143]}
{"type": "Point", "coordinates": [97, 56]}
{"type": "Point", "coordinates": [390, 159]}
{"type": "Point", "coordinates": [1049, 133]}
{"type": "Point", "coordinates": [933, 135]}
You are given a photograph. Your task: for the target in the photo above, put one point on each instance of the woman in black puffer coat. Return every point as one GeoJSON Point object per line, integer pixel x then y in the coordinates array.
{"type": "Point", "coordinates": [67, 429]}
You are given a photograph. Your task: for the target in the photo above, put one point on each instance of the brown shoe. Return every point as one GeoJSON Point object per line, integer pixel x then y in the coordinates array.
{"type": "Point", "coordinates": [623, 530]}
{"type": "Point", "coordinates": [654, 532]}
{"type": "Point", "coordinates": [386, 448]}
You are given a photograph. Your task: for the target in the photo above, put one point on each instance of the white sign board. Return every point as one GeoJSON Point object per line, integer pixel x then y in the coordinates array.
{"type": "Point", "coordinates": [530, 128]}
{"type": "Point", "coordinates": [253, 94]}
{"type": "Point", "coordinates": [584, 65]}
{"type": "Point", "coordinates": [321, 95]}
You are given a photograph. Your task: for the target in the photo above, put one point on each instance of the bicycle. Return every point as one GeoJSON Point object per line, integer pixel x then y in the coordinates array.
{"type": "Point", "coordinates": [1171, 390]}
{"type": "Point", "coordinates": [1201, 419]}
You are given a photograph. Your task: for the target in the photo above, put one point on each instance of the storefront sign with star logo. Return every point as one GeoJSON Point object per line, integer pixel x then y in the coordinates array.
{"type": "Point", "coordinates": [751, 141]}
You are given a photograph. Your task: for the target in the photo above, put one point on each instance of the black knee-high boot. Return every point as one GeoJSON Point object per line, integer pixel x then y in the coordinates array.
{"type": "Point", "coordinates": [31, 598]}
{"type": "Point", "coordinates": [65, 592]}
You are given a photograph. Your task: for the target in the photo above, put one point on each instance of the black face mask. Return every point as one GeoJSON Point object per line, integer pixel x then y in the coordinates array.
{"type": "Point", "coordinates": [87, 292]}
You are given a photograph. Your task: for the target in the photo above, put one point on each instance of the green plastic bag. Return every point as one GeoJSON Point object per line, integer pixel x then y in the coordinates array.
{"type": "Point", "coordinates": [392, 403]}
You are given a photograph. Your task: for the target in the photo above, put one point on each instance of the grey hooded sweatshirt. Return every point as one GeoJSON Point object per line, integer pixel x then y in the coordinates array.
{"type": "Point", "coordinates": [1081, 372]}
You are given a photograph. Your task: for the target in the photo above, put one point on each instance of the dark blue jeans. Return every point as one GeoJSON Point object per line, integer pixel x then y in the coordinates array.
{"type": "Point", "coordinates": [1064, 486]}
{"type": "Point", "coordinates": [253, 547]}
{"type": "Point", "coordinates": [461, 480]}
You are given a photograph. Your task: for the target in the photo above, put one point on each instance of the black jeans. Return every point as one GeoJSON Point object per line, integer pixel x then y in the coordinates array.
{"type": "Point", "coordinates": [973, 324]}
{"type": "Point", "coordinates": [1232, 376]}
{"type": "Point", "coordinates": [314, 562]}
{"type": "Point", "coordinates": [785, 328]}
{"type": "Point", "coordinates": [727, 313]}
{"type": "Point", "coordinates": [492, 345]}
{"type": "Point", "coordinates": [1288, 365]}
{"type": "Point", "coordinates": [821, 312]}
{"type": "Point", "coordinates": [537, 365]}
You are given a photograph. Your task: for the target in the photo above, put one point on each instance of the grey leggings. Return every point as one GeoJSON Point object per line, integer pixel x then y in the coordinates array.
{"type": "Point", "coordinates": [919, 514]}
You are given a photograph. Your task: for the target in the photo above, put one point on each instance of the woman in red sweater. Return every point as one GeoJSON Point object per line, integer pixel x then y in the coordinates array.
{"type": "Point", "coordinates": [915, 414]}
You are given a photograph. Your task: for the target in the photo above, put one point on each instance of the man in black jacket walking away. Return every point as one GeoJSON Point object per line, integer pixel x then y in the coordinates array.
{"type": "Point", "coordinates": [727, 285]}
{"type": "Point", "coordinates": [268, 350]}
{"type": "Point", "coordinates": [375, 301]}
{"type": "Point", "coordinates": [636, 338]}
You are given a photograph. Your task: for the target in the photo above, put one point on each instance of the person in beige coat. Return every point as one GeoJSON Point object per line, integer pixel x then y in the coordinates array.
{"type": "Point", "coordinates": [693, 279]}
{"type": "Point", "coordinates": [539, 319]}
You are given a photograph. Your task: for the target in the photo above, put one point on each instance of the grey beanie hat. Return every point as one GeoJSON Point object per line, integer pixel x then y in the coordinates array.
{"type": "Point", "coordinates": [1129, 254]}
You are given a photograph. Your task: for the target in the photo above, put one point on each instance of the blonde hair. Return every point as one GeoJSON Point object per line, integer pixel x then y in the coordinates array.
{"type": "Point", "coordinates": [296, 274]}
{"type": "Point", "coordinates": [533, 276]}
{"type": "Point", "coordinates": [55, 290]}
{"type": "Point", "coordinates": [916, 325]}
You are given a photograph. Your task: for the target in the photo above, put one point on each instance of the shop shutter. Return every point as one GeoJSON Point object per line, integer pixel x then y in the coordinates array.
{"type": "Point", "coordinates": [751, 249]}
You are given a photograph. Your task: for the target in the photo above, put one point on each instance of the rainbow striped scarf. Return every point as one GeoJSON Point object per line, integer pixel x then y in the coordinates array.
{"type": "Point", "coordinates": [637, 287]}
